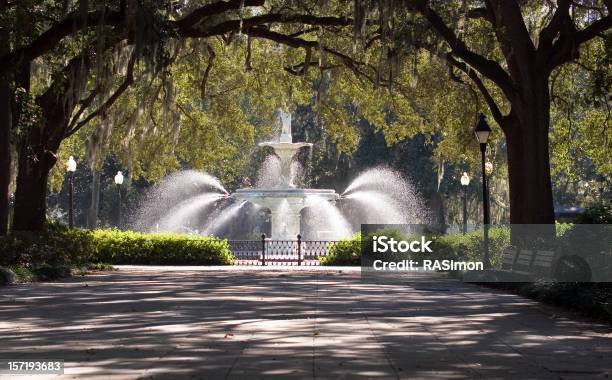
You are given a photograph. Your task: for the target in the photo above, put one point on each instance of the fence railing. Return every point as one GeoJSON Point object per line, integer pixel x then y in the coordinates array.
{"type": "Point", "coordinates": [280, 252]}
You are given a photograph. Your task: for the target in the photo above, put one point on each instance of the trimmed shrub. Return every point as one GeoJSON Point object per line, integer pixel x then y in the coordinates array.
{"type": "Point", "coordinates": [469, 247]}
{"type": "Point", "coordinates": [55, 245]}
{"type": "Point", "coordinates": [127, 247]}
{"type": "Point", "coordinates": [344, 253]}
{"type": "Point", "coordinates": [59, 245]}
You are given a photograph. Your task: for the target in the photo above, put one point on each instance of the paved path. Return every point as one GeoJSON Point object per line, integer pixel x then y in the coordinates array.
{"type": "Point", "coordinates": [175, 323]}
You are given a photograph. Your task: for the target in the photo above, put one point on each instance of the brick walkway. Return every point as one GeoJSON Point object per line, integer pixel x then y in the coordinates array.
{"type": "Point", "coordinates": [249, 323]}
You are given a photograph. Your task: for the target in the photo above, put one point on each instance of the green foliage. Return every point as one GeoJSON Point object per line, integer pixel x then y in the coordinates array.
{"type": "Point", "coordinates": [7, 276]}
{"type": "Point", "coordinates": [344, 253]}
{"type": "Point", "coordinates": [96, 266]}
{"type": "Point", "coordinates": [445, 247]}
{"type": "Point", "coordinates": [28, 113]}
{"type": "Point", "coordinates": [598, 213]}
{"type": "Point", "coordinates": [55, 245]}
{"type": "Point", "coordinates": [562, 228]}
{"type": "Point", "coordinates": [580, 124]}
{"type": "Point", "coordinates": [126, 247]}
{"type": "Point", "coordinates": [469, 246]}
{"type": "Point", "coordinates": [47, 272]}
{"type": "Point", "coordinates": [584, 240]}
{"type": "Point", "coordinates": [23, 273]}
{"type": "Point", "coordinates": [62, 246]}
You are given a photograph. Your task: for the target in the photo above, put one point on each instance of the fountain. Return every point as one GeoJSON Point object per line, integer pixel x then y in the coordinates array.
{"type": "Point", "coordinates": [285, 201]}
{"type": "Point", "coordinates": [196, 202]}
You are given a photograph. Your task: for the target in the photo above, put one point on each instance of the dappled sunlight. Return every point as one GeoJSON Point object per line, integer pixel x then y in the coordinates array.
{"type": "Point", "coordinates": [230, 323]}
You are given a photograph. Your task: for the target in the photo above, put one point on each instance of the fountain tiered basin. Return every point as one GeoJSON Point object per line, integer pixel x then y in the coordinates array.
{"type": "Point", "coordinates": [285, 201]}
{"type": "Point", "coordinates": [285, 205]}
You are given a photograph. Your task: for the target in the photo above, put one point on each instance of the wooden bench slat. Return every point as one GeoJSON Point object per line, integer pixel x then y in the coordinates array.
{"type": "Point", "coordinates": [527, 262]}
{"type": "Point", "coordinates": [508, 257]}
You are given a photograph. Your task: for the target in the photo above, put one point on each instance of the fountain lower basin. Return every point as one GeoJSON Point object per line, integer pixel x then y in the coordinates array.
{"type": "Point", "coordinates": [285, 205]}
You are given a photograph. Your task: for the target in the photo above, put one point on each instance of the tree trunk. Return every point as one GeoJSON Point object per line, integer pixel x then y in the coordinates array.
{"type": "Point", "coordinates": [5, 153]}
{"type": "Point", "coordinates": [526, 129]}
{"type": "Point", "coordinates": [39, 146]}
{"type": "Point", "coordinates": [5, 133]}
{"type": "Point", "coordinates": [35, 163]}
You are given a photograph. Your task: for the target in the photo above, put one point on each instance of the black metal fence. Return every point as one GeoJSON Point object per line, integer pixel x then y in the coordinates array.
{"type": "Point", "coordinates": [280, 252]}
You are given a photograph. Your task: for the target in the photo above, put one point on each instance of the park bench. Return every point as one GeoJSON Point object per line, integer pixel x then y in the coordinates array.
{"type": "Point", "coordinates": [524, 265]}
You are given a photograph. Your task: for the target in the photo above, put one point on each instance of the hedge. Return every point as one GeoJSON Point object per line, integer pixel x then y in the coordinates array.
{"type": "Point", "coordinates": [344, 253]}
{"type": "Point", "coordinates": [62, 246]}
{"type": "Point", "coordinates": [468, 247]}
{"type": "Point", "coordinates": [127, 247]}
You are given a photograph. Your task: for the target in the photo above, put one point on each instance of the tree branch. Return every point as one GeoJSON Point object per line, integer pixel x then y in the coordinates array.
{"type": "Point", "coordinates": [488, 68]}
{"type": "Point", "coordinates": [211, 59]}
{"type": "Point", "coordinates": [350, 63]}
{"type": "Point", "coordinates": [85, 103]}
{"type": "Point", "coordinates": [298, 69]}
{"type": "Point", "coordinates": [196, 16]}
{"type": "Point", "coordinates": [305, 31]}
{"type": "Point", "coordinates": [513, 37]}
{"type": "Point", "coordinates": [457, 79]}
{"type": "Point", "coordinates": [495, 111]}
{"type": "Point", "coordinates": [306, 61]}
{"type": "Point", "coordinates": [595, 29]}
{"type": "Point", "coordinates": [560, 18]}
{"type": "Point", "coordinates": [234, 25]}
{"type": "Point", "coordinates": [128, 81]}
{"type": "Point", "coordinates": [560, 41]}
{"type": "Point", "coordinates": [48, 40]}
{"type": "Point", "coordinates": [77, 21]}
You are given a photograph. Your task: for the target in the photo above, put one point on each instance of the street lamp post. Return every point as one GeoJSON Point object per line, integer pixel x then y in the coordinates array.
{"type": "Point", "coordinates": [119, 182]}
{"type": "Point", "coordinates": [482, 131]}
{"type": "Point", "coordinates": [71, 166]}
{"type": "Point", "coordinates": [465, 181]}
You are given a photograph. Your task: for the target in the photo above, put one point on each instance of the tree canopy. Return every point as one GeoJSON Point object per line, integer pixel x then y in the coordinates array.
{"type": "Point", "coordinates": [164, 85]}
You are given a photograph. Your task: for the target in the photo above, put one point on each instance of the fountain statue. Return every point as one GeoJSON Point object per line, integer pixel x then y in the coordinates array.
{"type": "Point", "coordinates": [285, 201]}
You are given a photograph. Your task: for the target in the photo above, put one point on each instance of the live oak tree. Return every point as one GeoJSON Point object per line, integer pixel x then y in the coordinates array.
{"type": "Point", "coordinates": [92, 29]}
{"type": "Point", "coordinates": [508, 50]}
{"type": "Point", "coordinates": [26, 37]}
